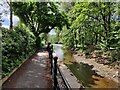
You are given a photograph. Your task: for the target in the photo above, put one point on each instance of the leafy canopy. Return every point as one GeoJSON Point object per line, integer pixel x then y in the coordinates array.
{"type": "Point", "coordinates": [41, 17]}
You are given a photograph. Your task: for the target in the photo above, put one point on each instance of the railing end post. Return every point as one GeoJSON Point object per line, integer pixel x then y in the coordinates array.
{"type": "Point", "coordinates": [55, 58]}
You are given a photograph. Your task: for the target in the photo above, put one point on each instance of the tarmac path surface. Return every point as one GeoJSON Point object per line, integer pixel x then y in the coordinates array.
{"type": "Point", "coordinates": [34, 73]}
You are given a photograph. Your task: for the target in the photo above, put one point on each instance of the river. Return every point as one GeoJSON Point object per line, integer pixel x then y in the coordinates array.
{"type": "Point", "coordinates": [83, 72]}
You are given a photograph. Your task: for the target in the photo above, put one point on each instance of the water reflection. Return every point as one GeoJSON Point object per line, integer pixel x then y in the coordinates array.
{"type": "Point", "coordinates": [58, 51]}
{"type": "Point", "coordinates": [89, 78]}
{"type": "Point", "coordinates": [84, 72]}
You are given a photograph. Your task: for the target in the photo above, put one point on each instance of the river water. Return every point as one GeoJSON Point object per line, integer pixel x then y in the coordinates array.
{"type": "Point", "coordinates": [83, 72]}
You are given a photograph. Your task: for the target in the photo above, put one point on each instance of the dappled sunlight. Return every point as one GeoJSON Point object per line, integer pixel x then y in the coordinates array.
{"type": "Point", "coordinates": [35, 60]}
{"type": "Point", "coordinates": [42, 65]}
{"type": "Point", "coordinates": [40, 61]}
{"type": "Point", "coordinates": [42, 54]}
{"type": "Point", "coordinates": [49, 34]}
{"type": "Point", "coordinates": [54, 54]}
{"type": "Point", "coordinates": [34, 72]}
{"type": "Point", "coordinates": [30, 72]}
{"type": "Point", "coordinates": [62, 66]}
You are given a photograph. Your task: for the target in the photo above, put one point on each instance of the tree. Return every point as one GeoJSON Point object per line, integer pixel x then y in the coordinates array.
{"type": "Point", "coordinates": [0, 17]}
{"type": "Point", "coordinates": [41, 17]}
{"type": "Point", "coordinates": [95, 18]}
{"type": "Point", "coordinates": [95, 24]}
{"type": "Point", "coordinates": [11, 14]}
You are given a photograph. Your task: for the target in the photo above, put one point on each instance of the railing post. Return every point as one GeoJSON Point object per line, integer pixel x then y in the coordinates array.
{"type": "Point", "coordinates": [55, 73]}
{"type": "Point", "coordinates": [51, 61]}
{"type": "Point", "coordinates": [50, 51]}
{"type": "Point", "coordinates": [55, 65]}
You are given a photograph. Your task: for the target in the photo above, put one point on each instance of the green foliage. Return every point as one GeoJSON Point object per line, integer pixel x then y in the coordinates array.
{"type": "Point", "coordinates": [40, 17]}
{"type": "Point", "coordinates": [113, 56]}
{"type": "Point", "coordinates": [17, 45]}
{"type": "Point", "coordinates": [68, 39]}
{"type": "Point", "coordinates": [94, 24]}
{"type": "Point", "coordinates": [52, 38]}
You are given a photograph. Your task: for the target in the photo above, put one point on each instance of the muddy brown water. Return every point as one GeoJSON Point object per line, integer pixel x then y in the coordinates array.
{"type": "Point", "coordinates": [83, 72]}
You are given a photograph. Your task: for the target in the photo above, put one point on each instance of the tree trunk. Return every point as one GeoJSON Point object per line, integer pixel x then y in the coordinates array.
{"type": "Point", "coordinates": [96, 38]}
{"type": "Point", "coordinates": [72, 42]}
{"type": "Point", "coordinates": [79, 40]}
{"type": "Point", "coordinates": [57, 37]}
{"type": "Point", "coordinates": [38, 43]}
{"type": "Point", "coordinates": [11, 15]}
{"type": "Point", "coordinates": [109, 24]}
{"type": "Point", "coordinates": [75, 39]}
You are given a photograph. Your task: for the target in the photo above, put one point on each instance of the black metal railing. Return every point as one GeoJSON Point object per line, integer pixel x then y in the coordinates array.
{"type": "Point", "coordinates": [59, 80]}
{"type": "Point", "coordinates": [67, 86]}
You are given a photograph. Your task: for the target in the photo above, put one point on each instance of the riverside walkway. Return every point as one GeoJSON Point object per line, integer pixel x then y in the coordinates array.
{"type": "Point", "coordinates": [34, 73]}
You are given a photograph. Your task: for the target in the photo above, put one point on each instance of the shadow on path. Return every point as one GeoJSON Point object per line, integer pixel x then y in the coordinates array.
{"type": "Point", "coordinates": [34, 73]}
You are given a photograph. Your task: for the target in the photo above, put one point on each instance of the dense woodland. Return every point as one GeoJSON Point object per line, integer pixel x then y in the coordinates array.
{"type": "Point", "coordinates": [94, 28]}
{"type": "Point", "coordinates": [85, 27]}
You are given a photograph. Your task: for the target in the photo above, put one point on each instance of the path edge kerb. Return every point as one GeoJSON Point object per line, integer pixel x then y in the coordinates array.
{"type": "Point", "coordinates": [67, 74]}
{"type": "Point", "coordinates": [15, 69]}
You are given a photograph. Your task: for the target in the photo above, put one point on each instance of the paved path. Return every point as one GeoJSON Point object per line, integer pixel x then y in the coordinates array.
{"type": "Point", "coordinates": [34, 73]}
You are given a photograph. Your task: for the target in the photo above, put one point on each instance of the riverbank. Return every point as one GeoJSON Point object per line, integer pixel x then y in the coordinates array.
{"type": "Point", "coordinates": [89, 73]}
{"type": "Point", "coordinates": [101, 69]}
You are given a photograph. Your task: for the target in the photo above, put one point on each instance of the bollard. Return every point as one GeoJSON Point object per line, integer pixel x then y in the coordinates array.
{"type": "Point", "coordinates": [50, 52]}
{"type": "Point", "coordinates": [51, 57]}
{"type": "Point", "coordinates": [55, 73]}
{"type": "Point", "coordinates": [48, 48]}
{"type": "Point", "coordinates": [51, 62]}
{"type": "Point", "coordinates": [55, 65]}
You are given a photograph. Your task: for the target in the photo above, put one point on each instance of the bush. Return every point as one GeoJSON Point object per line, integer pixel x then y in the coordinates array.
{"type": "Point", "coordinates": [17, 45]}
{"type": "Point", "coordinates": [114, 56]}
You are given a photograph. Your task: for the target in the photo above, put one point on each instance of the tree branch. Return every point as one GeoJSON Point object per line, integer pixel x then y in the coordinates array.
{"type": "Point", "coordinates": [8, 2]}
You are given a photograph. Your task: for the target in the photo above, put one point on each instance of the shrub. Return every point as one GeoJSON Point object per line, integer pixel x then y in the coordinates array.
{"type": "Point", "coordinates": [17, 45]}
